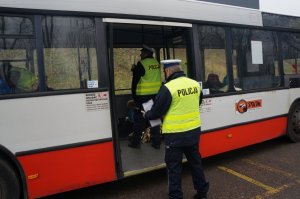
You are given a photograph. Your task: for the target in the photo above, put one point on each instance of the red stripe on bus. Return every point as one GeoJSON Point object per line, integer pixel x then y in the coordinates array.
{"type": "Point", "coordinates": [220, 141]}
{"type": "Point", "coordinates": [63, 170]}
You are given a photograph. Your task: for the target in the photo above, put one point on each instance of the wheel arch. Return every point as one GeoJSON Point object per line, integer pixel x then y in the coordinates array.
{"type": "Point", "coordinates": [11, 158]}
{"type": "Point", "coordinates": [293, 104]}
{"type": "Point", "coordinates": [289, 135]}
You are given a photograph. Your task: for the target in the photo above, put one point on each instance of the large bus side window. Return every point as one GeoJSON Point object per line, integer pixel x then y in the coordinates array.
{"type": "Point", "coordinates": [212, 49]}
{"type": "Point", "coordinates": [291, 53]}
{"type": "Point", "coordinates": [18, 69]}
{"type": "Point", "coordinates": [291, 58]}
{"type": "Point", "coordinates": [255, 59]}
{"type": "Point", "coordinates": [69, 52]}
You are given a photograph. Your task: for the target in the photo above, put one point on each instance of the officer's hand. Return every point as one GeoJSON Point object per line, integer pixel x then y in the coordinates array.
{"type": "Point", "coordinates": [132, 67]}
{"type": "Point", "coordinates": [143, 112]}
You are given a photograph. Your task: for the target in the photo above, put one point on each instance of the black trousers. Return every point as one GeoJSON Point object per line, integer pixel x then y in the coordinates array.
{"type": "Point", "coordinates": [173, 159]}
{"type": "Point", "coordinates": [140, 124]}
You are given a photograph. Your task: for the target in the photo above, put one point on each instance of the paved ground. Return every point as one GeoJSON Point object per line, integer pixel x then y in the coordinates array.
{"type": "Point", "coordinates": [266, 170]}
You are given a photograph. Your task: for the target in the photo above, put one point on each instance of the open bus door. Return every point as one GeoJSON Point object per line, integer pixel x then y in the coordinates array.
{"type": "Point", "coordinates": [126, 37]}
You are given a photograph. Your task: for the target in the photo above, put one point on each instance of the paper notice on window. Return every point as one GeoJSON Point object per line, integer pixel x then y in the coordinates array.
{"type": "Point", "coordinates": [92, 83]}
{"type": "Point", "coordinates": [257, 52]}
{"type": "Point", "coordinates": [147, 106]}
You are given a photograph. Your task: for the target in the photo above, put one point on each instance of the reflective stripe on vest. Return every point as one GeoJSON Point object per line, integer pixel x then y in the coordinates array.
{"type": "Point", "coordinates": [183, 114]}
{"type": "Point", "coordinates": [150, 83]}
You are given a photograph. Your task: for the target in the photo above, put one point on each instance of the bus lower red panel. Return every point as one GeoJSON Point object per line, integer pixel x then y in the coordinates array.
{"type": "Point", "coordinates": [63, 170]}
{"type": "Point", "coordinates": [216, 142]}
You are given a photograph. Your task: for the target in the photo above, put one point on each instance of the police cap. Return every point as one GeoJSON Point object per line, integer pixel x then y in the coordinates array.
{"type": "Point", "coordinates": [147, 49]}
{"type": "Point", "coordinates": [170, 62]}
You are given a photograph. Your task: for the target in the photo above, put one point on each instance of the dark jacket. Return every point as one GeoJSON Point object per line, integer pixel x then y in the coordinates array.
{"type": "Point", "coordinates": [159, 109]}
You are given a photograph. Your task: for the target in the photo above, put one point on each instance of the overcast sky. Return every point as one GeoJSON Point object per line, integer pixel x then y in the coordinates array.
{"type": "Point", "coordinates": [285, 7]}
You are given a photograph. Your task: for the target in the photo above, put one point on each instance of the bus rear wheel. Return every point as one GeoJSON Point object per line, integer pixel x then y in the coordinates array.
{"type": "Point", "coordinates": [9, 183]}
{"type": "Point", "coordinates": [294, 123]}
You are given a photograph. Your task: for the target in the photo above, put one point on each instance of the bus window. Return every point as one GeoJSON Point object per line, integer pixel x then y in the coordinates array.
{"type": "Point", "coordinates": [212, 49]}
{"type": "Point", "coordinates": [18, 71]}
{"type": "Point", "coordinates": [180, 53]}
{"type": "Point", "coordinates": [124, 59]}
{"type": "Point", "coordinates": [175, 47]}
{"type": "Point", "coordinates": [69, 52]}
{"type": "Point", "coordinates": [176, 52]}
{"type": "Point", "coordinates": [291, 53]}
{"type": "Point", "coordinates": [10, 25]}
{"type": "Point", "coordinates": [255, 59]}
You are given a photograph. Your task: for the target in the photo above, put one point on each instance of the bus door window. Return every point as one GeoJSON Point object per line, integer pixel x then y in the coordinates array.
{"type": "Point", "coordinates": [212, 49]}
{"type": "Point", "coordinates": [124, 60]}
{"type": "Point", "coordinates": [291, 58]}
{"type": "Point", "coordinates": [174, 47]}
{"type": "Point", "coordinates": [18, 69]}
{"type": "Point", "coordinates": [255, 59]}
{"type": "Point", "coordinates": [70, 52]}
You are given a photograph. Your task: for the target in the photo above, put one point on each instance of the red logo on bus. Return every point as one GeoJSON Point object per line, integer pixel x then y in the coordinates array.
{"type": "Point", "coordinates": [243, 106]}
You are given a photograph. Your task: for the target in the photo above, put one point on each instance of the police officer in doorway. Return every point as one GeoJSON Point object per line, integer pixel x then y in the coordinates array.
{"type": "Point", "coordinates": [146, 82]}
{"type": "Point", "coordinates": [178, 103]}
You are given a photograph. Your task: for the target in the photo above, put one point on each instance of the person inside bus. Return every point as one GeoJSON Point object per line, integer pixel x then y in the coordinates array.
{"type": "Point", "coordinates": [22, 80]}
{"type": "Point", "coordinates": [146, 82]}
{"type": "Point", "coordinates": [225, 84]}
{"type": "Point", "coordinates": [213, 83]}
{"type": "Point", "coordinates": [178, 102]}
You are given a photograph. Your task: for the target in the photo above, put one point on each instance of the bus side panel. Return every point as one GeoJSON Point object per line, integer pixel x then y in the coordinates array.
{"type": "Point", "coordinates": [212, 143]}
{"type": "Point", "coordinates": [63, 170]}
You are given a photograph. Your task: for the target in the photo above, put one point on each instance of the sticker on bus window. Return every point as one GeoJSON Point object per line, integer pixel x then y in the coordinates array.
{"type": "Point", "coordinates": [97, 101]}
{"type": "Point", "coordinates": [205, 91]}
{"type": "Point", "coordinates": [92, 83]}
{"type": "Point", "coordinates": [243, 106]}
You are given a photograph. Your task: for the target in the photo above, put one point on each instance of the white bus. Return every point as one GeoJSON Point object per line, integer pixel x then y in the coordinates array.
{"type": "Point", "coordinates": [65, 78]}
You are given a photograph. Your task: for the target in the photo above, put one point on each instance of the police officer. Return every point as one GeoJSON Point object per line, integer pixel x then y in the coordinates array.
{"type": "Point", "coordinates": [178, 103]}
{"type": "Point", "coordinates": [146, 82]}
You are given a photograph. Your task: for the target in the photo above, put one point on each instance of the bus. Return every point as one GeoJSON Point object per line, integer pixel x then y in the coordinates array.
{"type": "Point", "coordinates": [65, 80]}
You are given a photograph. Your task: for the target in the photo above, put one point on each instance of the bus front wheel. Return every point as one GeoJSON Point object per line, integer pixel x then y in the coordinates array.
{"type": "Point", "coordinates": [9, 183]}
{"type": "Point", "coordinates": [293, 132]}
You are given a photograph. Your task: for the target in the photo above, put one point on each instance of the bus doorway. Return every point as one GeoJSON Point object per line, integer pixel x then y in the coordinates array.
{"type": "Point", "coordinates": [126, 41]}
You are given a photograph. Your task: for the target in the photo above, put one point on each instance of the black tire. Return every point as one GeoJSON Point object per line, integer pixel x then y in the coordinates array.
{"type": "Point", "coordinates": [293, 130]}
{"type": "Point", "coordinates": [9, 183]}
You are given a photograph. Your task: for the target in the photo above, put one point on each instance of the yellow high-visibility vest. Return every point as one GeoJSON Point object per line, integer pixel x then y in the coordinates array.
{"type": "Point", "coordinates": [150, 83]}
{"type": "Point", "coordinates": [183, 114]}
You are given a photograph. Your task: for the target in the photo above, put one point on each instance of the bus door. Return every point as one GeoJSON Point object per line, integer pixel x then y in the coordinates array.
{"type": "Point", "coordinates": [169, 41]}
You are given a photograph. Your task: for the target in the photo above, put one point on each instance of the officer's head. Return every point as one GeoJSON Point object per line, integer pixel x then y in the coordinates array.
{"type": "Point", "coordinates": [171, 66]}
{"type": "Point", "coordinates": [146, 51]}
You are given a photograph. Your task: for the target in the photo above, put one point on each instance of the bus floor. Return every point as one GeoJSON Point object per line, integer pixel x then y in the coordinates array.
{"type": "Point", "coordinates": [146, 158]}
